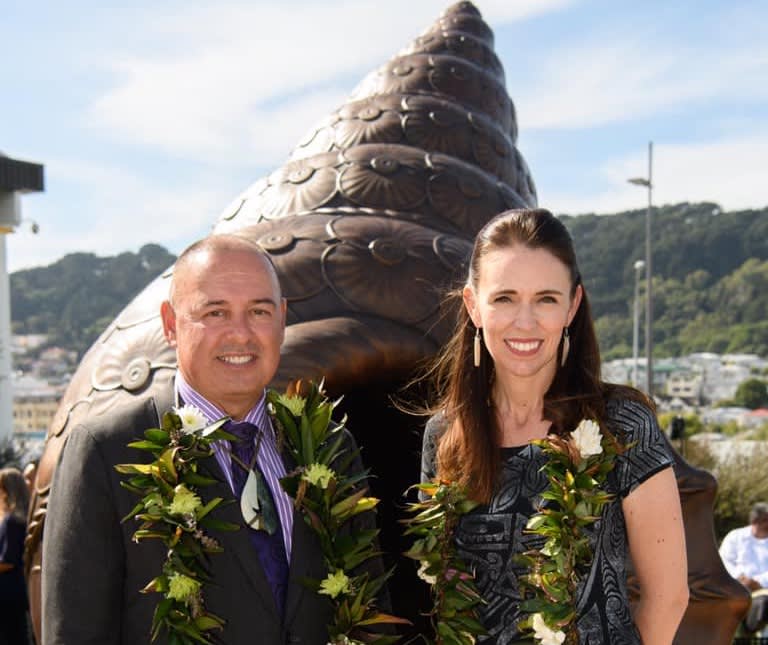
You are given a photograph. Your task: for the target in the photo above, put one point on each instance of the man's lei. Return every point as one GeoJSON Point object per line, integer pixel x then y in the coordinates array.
{"type": "Point", "coordinates": [171, 510]}
{"type": "Point", "coordinates": [577, 468]}
{"type": "Point", "coordinates": [329, 498]}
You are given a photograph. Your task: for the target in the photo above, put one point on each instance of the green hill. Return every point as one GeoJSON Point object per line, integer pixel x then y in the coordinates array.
{"type": "Point", "coordinates": [710, 282]}
{"type": "Point", "coordinates": [75, 298]}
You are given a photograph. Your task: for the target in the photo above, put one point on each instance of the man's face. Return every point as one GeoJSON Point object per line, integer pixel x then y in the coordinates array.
{"type": "Point", "coordinates": [760, 527]}
{"type": "Point", "coordinates": [227, 323]}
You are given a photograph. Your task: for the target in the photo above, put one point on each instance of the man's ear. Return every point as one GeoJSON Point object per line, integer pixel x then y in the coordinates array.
{"type": "Point", "coordinates": [283, 313]}
{"type": "Point", "coordinates": [168, 316]}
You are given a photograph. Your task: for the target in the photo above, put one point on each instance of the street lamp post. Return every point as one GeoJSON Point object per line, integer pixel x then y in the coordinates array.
{"type": "Point", "coordinates": [639, 266]}
{"type": "Point", "coordinates": [648, 183]}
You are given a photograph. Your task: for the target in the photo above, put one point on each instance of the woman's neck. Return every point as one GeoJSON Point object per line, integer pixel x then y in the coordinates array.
{"type": "Point", "coordinates": [519, 409]}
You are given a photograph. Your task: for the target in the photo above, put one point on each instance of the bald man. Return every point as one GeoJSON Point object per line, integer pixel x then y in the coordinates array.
{"type": "Point", "coordinates": [225, 317]}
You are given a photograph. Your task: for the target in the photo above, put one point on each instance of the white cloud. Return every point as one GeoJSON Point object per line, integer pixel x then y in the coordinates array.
{"type": "Point", "coordinates": [729, 172]}
{"type": "Point", "coordinates": [589, 85]}
{"type": "Point", "coordinates": [125, 211]}
{"type": "Point", "coordinates": [271, 70]}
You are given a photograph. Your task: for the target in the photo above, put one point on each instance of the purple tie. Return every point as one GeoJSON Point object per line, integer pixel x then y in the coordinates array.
{"type": "Point", "coordinates": [270, 548]}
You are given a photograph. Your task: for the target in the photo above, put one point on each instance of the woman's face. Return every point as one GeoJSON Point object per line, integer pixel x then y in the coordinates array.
{"type": "Point", "coordinates": [522, 302]}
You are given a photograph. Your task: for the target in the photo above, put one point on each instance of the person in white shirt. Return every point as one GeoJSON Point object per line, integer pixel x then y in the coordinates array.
{"type": "Point", "coordinates": [744, 552]}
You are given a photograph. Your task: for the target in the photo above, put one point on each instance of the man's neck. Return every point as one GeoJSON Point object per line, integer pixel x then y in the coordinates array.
{"type": "Point", "coordinates": [212, 410]}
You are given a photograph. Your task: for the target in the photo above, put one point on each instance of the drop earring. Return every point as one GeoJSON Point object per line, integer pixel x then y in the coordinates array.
{"type": "Point", "coordinates": [566, 346]}
{"type": "Point", "coordinates": [476, 347]}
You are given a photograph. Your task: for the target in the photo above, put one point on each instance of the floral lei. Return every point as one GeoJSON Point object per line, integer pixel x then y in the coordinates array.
{"type": "Point", "coordinates": [171, 510]}
{"type": "Point", "coordinates": [577, 468]}
{"type": "Point", "coordinates": [456, 599]}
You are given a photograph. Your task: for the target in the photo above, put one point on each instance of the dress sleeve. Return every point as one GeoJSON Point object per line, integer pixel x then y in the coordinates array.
{"type": "Point", "coordinates": [647, 452]}
{"type": "Point", "coordinates": [434, 428]}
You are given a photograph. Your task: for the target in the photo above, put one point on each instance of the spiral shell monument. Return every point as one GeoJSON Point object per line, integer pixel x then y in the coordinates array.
{"type": "Point", "coordinates": [368, 223]}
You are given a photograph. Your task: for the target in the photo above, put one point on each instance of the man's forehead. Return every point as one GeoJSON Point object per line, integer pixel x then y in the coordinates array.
{"type": "Point", "coordinates": [224, 276]}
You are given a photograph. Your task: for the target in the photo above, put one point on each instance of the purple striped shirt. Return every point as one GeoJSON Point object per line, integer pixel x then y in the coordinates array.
{"type": "Point", "coordinates": [268, 458]}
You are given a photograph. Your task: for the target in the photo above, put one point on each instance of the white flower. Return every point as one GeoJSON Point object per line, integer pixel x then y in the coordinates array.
{"type": "Point", "coordinates": [422, 573]}
{"type": "Point", "coordinates": [192, 418]}
{"type": "Point", "coordinates": [586, 438]}
{"type": "Point", "coordinates": [544, 633]}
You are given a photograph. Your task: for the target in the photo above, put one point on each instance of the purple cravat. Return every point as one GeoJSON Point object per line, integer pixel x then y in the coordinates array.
{"type": "Point", "coordinates": [270, 548]}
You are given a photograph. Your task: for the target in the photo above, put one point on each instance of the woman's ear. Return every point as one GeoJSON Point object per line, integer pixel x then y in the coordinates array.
{"type": "Point", "coordinates": [470, 302]}
{"type": "Point", "coordinates": [575, 303]}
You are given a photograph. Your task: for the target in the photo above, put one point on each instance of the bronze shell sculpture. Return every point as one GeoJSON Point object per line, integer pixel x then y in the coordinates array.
{"type": "Point", "coordinates": [368, 223]}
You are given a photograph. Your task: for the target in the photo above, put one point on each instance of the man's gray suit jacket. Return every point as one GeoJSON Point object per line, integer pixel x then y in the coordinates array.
{"type": "Point", "coordinates": [92, 571]}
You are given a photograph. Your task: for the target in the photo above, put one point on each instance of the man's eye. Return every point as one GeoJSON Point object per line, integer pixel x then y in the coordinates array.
{"type": "Point", "coordinates": [216, 313]}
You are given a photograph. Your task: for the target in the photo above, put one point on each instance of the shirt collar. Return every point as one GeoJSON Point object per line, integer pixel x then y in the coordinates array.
{"type": "Point", "coordinates": [257, 415]}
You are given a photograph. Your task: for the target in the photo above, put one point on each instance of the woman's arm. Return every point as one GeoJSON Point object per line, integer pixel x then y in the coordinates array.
{"type": "Point", "coordinates": [654, 522]}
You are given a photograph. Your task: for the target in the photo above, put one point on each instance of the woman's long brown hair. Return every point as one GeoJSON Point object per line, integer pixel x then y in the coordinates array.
{"type": "Point", "coordinates": [468, 451]}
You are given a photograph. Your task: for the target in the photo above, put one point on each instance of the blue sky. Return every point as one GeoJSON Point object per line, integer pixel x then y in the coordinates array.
{"type": "Point", "coordinates": [151, 118]}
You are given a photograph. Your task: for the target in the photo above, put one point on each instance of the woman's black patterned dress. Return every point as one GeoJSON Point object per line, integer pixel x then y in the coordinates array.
{"type": "Point", "coordinates": [491, 536]}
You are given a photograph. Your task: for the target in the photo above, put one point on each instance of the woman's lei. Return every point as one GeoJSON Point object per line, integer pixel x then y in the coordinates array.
{"type": "Point", "coordinates": [454, 615]}
{"type": "Point", "coordinates": [577, 468]}
{"type": "Point", "coordinates": [171, 510]}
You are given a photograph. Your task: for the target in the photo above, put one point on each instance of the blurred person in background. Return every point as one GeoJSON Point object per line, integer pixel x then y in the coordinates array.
{"type": "Point", "coordinates": [744, 552]}
{"type": "Point", "coordinates": [14, 500]}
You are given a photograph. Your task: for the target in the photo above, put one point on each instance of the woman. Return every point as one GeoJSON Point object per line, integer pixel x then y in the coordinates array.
{"type": "Point", "coordinates": [14, 499]}
{"type": "Point", "coordinates": [522, 364]}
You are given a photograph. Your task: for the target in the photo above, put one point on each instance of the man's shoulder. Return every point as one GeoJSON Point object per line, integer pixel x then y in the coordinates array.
{"type": "Point", "coordinates": [125, 420]}
{"type": "Point", "coordinates": [738, 534]}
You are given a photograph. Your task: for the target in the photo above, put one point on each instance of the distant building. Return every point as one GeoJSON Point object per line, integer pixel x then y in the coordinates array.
{"type": "Point", "coordinates": [685, 384]}
{"type": "Point", "coordinates": [755, 418]}
{"type": "Point", "coordinates": [34, 404]}
{"type": "Point", "coordinates": [697, 379]}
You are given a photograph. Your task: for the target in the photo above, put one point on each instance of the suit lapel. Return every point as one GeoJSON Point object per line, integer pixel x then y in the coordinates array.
{"type": "Point", "coordinates": [236, 543]}
{"type": "Point", "coordinates": [305, 556]}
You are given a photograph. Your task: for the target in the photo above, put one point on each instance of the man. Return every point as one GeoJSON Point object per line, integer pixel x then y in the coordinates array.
{"type": "Point", "coordinates": [744, 552]}
{"type": "Point", "coordinates": [226, 319]}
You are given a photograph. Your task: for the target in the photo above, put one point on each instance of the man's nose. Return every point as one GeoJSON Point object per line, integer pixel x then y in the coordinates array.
{"type": "Point", "coordinates": [239, 326]}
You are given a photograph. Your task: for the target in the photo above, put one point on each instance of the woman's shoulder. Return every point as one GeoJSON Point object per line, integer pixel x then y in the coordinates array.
{"type": "Point", "coordinates": [437, 424]}
{"type": "Point", "coordinates": [631, 415]}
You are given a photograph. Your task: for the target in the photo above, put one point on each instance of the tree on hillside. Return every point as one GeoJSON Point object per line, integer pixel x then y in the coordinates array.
{"type": "Point", "coordinates": [752, 394]}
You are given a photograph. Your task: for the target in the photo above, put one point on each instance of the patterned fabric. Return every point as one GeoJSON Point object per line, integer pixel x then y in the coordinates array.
{"type": "Point", "coordinates": [490, 537]}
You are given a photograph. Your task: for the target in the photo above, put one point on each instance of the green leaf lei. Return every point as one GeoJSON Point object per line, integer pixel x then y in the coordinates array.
{"type": "Point", "coordinates": [329, 499]}
{"type": "Point", "coordinates": [454, 615]}
{"type": "Point", "coordinates": [171, 511]}
{"type": "Point", "coordinates": [577, 468]}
